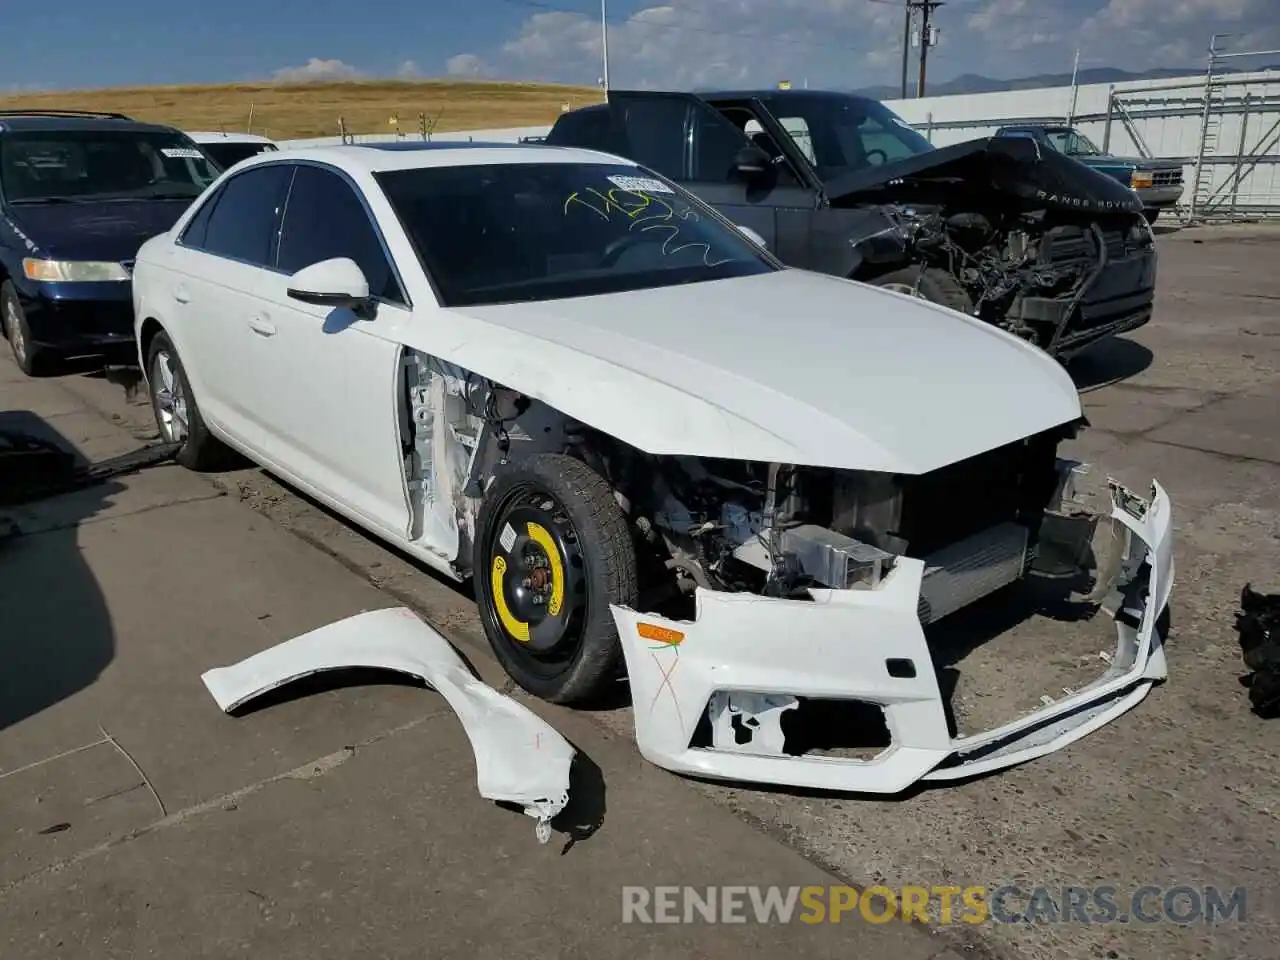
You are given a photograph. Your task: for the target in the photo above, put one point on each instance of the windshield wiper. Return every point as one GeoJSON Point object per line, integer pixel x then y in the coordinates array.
{"type": "Point", "coordinates": [169, 196]}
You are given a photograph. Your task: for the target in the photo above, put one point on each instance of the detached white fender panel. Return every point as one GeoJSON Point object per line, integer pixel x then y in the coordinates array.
{"type": "Point", "coordinates": [520, 758]}
{"type": "Point", "coordinates": [752, 658]}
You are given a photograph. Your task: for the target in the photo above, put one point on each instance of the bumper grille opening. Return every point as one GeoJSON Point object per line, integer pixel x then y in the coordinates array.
{"type": "Point", "coordinates": [842, 729]}
{"type": "Point", "coordinates": [849, 729]}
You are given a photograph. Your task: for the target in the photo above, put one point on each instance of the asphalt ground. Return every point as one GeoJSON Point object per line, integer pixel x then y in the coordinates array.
{"type": "Point", "coordinates": [387, 846]}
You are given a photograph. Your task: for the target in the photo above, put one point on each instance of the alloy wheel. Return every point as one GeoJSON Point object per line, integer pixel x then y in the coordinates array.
{"type": "Point", "coordinates": [170, 397]}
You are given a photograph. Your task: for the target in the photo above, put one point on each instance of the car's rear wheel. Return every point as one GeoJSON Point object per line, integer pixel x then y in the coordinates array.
{"type": "Point", "coordinates": [30, 358]}
{"type": "Point", "coordinates": [927, 283]}
{"type": "Point", "coordinates": [176, 411]}
{"type": "Point", "coordinates": [552, 552]}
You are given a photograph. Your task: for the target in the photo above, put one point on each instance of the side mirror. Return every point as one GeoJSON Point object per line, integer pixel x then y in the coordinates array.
{"type": "Point", "coordinates": [751, 162]}
{"type": "Point", "coordinates": [338, 283]}
{"type": "Point", "coordinates": [752, 236]}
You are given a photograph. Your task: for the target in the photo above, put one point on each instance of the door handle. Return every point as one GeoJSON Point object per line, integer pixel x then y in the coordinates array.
{"type": "Point", "coordinates": [260, 326]}
{"type": "Point", "coordinates": [181, 295]}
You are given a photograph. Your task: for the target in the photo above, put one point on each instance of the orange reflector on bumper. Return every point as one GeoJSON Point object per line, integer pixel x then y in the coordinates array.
{"type": "Point", "coordinates": [664, 635]}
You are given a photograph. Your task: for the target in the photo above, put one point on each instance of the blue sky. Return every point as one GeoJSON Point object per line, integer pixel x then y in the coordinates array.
{"type": "Point", "coordinates": [681, 43]}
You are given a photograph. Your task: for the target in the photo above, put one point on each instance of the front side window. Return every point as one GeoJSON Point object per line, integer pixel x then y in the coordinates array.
{"type": "Point", "coordinates": [245, 215]}
{"type": "Point", "coordinates": [843, 134]}
{"type": "Point", "coordinates": [67, 166]}
{"type": "Point", "coordinates": [325, 219]}
{"type": "Point", "coordinates": [501, 233]}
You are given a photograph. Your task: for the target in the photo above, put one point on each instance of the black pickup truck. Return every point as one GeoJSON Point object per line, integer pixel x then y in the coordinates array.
{"type": "Point", "coordinates": [1029, 240]}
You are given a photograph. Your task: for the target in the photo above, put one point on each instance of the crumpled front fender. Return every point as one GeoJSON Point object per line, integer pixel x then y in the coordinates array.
{"type": "Point", "coordinates": [520, 758]}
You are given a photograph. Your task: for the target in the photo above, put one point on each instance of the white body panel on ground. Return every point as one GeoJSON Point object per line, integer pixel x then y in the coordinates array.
{"type": "Point", "coordinates": [520, 758]}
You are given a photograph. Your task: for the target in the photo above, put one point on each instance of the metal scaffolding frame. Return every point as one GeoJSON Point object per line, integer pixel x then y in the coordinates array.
{"type": "Point", "coordinates": [1236, 176]}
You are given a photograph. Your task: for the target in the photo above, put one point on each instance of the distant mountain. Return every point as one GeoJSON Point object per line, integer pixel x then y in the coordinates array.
{"type": "Point", "coordinates": [968, 83]}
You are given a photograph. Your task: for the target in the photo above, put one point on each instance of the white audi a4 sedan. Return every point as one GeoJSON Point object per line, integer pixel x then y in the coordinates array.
{"type": "Point", "coordinates": [662, 458]}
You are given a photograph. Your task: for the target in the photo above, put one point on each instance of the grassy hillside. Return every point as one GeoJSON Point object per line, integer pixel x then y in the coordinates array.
{"type": "Point", "coordinates": [312, 110]}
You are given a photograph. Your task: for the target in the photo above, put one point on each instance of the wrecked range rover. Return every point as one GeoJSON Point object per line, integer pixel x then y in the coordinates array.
{"type": "Point", "coordinates": [589, 411]}
{"type": "Point", "coordinates": [1027, 239]}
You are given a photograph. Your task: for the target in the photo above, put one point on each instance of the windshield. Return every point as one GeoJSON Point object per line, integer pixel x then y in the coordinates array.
{"type": "Point", "coordinates": [93, 165]}
{"type": "Point", "coordinates": [229, 153]}
{"type": "Point", "coordinates": [499, 233]}
{"type": "Point", "coordinates": [841, 134]}
{"type": "Point", "coordinates": [1072, 144]}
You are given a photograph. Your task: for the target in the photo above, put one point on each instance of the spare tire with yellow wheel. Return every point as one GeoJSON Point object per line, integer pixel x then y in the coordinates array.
{"type": "Point", "coordinates": [552, 552]}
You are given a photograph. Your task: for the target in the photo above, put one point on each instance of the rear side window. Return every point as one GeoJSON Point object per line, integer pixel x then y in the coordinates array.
{"type": "Point", "coordinates": [681, 137]}
{"type": "Point", "coordinates": [325, 219]}
{"type": "Point", "coordinates": [588, 129]}
{"type": "Point", "coordinates": [246, 215]}
{"type": "Point", "coordinates": [657, 134]}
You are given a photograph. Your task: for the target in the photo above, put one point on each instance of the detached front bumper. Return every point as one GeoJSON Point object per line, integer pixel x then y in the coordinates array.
{"type": "Point", "coordinates": [745, 659]}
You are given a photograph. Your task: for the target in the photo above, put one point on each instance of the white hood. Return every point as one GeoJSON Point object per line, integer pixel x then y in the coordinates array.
{"type": "Point", "coordinates": [792, 367]}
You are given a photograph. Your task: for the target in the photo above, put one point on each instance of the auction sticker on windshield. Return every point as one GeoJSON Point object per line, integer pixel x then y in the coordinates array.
{"type": "Point", "coordinates": [184, 153]}
{"type": "Point", "coordinates": [640, 185]}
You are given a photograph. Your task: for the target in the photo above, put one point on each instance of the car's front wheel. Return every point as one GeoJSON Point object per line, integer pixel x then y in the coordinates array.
{"type": "Point", "coordinates": [31, 359]}
{"type": "Point", "coordinates": [177, 414]}
{"type": "Point", "coordinates": [927, 283]}
{"type": "Point", "coordinates": [552, 552]}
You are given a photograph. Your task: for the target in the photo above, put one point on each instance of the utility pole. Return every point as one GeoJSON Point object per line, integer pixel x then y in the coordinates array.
{"type": "Point", "coordinates": [926, 38]}
{"type": "Point", "coordinates": [604, 44]}
{"type": "Point", "coordinates": [906, 43]}
{"type": "Point", "coordinates": [1075, 87]}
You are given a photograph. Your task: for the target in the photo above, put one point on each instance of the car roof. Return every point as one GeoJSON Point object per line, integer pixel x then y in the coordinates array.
{"type": "Point", "coordinates": [412, 155]}
{"type": "Point", "coordinates": [761, 93]}
{"type": "Point", "coordinates": [775, 93]}
{"type": "Point", "coordinates": [98, 124]}
{"type": "Point", "coordinates": [221, 136]}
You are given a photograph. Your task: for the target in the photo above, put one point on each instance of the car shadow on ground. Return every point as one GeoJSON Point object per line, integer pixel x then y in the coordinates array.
{"type": "Point", "coordinates": [1114, 360]}
{"type": "Point", "coordinates": [56, 636]}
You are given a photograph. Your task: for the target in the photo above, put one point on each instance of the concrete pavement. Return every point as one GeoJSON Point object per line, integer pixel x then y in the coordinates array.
{"type": "Point", "coordinates": [340, 817]}
{"type": "Point", "coordinates": [1183, 790]}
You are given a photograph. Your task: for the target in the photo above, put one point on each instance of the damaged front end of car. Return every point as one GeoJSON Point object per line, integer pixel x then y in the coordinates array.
{"type": "Point", "coordinates": [785, 618]}
{"type": "Point", "coordinates": [1040, 245]}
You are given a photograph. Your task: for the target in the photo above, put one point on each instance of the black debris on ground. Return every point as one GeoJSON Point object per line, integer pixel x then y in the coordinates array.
{"type": "Point", "coordinates": [1258, 624]}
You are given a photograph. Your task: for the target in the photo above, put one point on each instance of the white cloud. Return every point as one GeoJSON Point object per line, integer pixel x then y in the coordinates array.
{"type": "Point", "coordinates": [467, 65]}
{"type": "Point", "coordinates": [316, 70]}
{"type": "Point", "coordinates": [683, 44]}
{"type": "Point", "coordinates": [687, 43]}
{"type": "Point", "coordinates": [408, 70]}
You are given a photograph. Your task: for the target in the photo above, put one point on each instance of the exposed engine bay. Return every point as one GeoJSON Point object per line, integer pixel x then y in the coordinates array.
{"type": "Point", "coordinates": [1038, 245]}
{"type": "Point", "coordinates": [1024, 272]}
{"type": "Point", "coordinates": [779, 531]}
{"type": "Point", "coordinates": [768, 529]}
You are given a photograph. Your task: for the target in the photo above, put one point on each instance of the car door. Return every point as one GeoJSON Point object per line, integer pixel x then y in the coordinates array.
{"type": "Point", "coordinates": [685, 139]}
{"type": "Point", "coordinates": [333, 374]}
{"type": "Point", "coordinates": [793, 193]}
{"type": "Point", "coordinates": [219, 264]}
